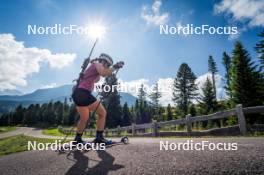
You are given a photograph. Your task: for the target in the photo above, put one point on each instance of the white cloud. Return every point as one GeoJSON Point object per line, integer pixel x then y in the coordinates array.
{"type": "Point", "coordinates": [166, 97]}
{"type": "Point", "coordinates": [18, 61]}
{"type": "Point", "coordinates": [48, 86]}
{"type": "Point", "coordinates": [164, 84]}
{"type": "Point", "coordinates": [133, 86]}
{"type": "Point", "coordinates": [167, 87]}
{"type": "Point", "coordinates": [154, 16]}
{"type": "Point", "coordinates": [218, 82]}
{"type": "Point", "coordinates": [243, 10]}
{"type": "Point", "coordinates": [179, 25]}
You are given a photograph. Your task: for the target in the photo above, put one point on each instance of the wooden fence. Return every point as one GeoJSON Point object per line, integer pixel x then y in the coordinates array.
{"type": "Point", "coordinates": [154, 127]}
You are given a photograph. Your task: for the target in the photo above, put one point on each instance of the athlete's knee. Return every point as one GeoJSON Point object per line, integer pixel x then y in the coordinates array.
{"type": "Point", "coordinates": [105, 113]}
{"type": "Point", "coordinates": [102, 113]}
{"type": "Point", "coordinates": [84, 118]}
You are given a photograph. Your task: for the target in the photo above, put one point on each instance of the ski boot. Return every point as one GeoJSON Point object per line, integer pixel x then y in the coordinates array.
{"type": "Point", "coordinates": [103, 140]}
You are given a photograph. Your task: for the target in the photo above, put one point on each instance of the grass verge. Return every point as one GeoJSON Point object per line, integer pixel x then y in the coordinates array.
{"type": "Point", "coordinates": [52, 132]}
{"type": "Point", "coordinates": [4, 129]}
{"type": "Point", "coordinates": [19, 143]}
{"type": "Point", "coordinates": [55, 132]}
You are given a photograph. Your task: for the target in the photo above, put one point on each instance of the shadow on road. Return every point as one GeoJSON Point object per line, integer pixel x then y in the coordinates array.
{"type": "Point", "coordinates": [103, 167]}
{"type": "Point", "coordinates": [81, 164]}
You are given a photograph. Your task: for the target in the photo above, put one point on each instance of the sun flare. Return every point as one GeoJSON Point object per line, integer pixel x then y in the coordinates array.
{"type": "Point", "coordinates": [96, 30]}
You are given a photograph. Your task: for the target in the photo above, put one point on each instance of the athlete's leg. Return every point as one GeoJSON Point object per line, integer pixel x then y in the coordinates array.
{"type": "Point", "coordinates": [84, 116]}
{"type": "Point", "coordinates": [101, 112]}
{"type": "Point", "coordinates": [100, 124]}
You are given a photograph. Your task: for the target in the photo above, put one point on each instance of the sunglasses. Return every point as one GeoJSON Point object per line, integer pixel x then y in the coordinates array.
{"type": "Point", "coordinates": [107, 64]}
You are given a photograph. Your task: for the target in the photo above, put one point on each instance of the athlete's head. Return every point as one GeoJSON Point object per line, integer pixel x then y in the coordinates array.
{"type": "Point", "coordinates": [105, 59]}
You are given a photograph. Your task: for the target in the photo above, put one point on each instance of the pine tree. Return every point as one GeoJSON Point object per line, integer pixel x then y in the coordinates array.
{"type": "Point", "coordinates": [143, 110]}
{"type": "Point", "coordinates": [146, 113]}
{"type": "Point", "coordinates": [126, 120]}
{"type": "Point", "coordinates": [36, 113]}
{"type": "Point", "coordinates": [154, 97]}
{"type": "Point", "coordinates": [58, 111]}
{"type": "Point", "coordinates": [18, 116]}
{"type": "Point", "coordinates": [141, 97]}
{"type": "Point", "coordinates": [50, 116]}
{"type": "Point", "coordinates": [192, 110]}
{"type": "Point", "coordinates": [245, 82]}
{"type": "Point", "coordinates": [226, 61]}
{"type": "Point", "coordinates": [66, 111]}
{"type": "Point", "coordinates": [260, 49]}
{"type": "Point", "coordinates": [4, 119]}
{"type": "Point", "coordinates": [29, 118]}
{"type": "Point", "coordinates": [208, 99]}
{"type": "Point", "coordinates": [133, 114]}
{"type": "Point", "coordinates": [140, 104]}
{"type": "Point", "coordinates": [169, 112]}
{"type": "Point", "coordinates": [136, 112]}
{"type": "Point", "coordinates": [213, 70]}
{"type": "Point", "coordinates": [73, 115]}
{"type": "Point", "coordinates": [42, 112]}
{"type": "Point", "coordinates": [184, 88]}
{"type": "Point", "coordinates": [136, 104]}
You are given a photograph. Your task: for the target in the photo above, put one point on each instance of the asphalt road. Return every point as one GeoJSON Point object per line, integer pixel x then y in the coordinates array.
{"type": "Point", "coordinates": [143, 156]}
{"type": "Point", "coordinates": [19, 130]}
{"type": "Point", "coordinates": [29, 131]}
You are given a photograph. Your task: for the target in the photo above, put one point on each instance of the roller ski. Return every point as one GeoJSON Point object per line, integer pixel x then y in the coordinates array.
{"type": "Point", "coordinates": [109, 143]}
{"type": "Point", "coordinates": [96, 144]}
{"type": "Point", "coordinates": [77, 142]}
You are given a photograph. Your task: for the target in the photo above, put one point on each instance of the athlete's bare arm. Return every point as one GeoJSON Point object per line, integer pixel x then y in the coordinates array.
{"type": "Point", "coordinates": [103, 71]}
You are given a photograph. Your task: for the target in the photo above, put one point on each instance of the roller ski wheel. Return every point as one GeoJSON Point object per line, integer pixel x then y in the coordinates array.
{"type": "Point", "coordinates": [125, 140]}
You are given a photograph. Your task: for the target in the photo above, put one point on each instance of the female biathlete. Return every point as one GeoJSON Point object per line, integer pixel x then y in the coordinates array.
{"type": "Point", "coordinates": [86, 102]}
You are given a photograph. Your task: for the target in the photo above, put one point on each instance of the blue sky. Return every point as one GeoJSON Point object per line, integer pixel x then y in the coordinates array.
{"type": "Point", "coordinates": [129, 37]}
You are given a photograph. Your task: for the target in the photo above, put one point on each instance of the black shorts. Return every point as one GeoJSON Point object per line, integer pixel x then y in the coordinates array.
{"type": "Point", "coordinates": [83, 97]}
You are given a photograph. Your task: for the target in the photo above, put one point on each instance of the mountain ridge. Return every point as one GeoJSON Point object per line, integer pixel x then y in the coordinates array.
{"type": "Point", "coordinates": [9, 102]}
